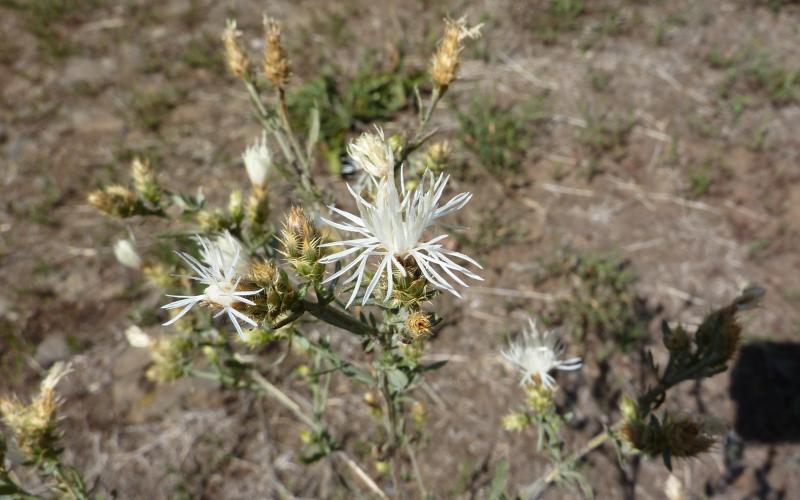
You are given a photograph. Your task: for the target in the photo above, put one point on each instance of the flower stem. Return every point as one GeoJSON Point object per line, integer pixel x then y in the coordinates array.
{"type": "Point", "coordinates": [538, 487]}
{"type": "Point", "coordinates": [390, 422]}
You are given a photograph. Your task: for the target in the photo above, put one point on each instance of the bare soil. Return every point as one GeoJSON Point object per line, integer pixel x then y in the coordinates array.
{"type": "Point", "coordinates": [699, 197]}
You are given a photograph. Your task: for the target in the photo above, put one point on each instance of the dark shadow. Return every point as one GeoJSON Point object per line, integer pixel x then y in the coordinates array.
{"type": "Point", "coordinates": [765, 385]}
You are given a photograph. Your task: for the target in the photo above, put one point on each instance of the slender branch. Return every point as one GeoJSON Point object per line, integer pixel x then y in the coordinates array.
{"type": "Point", "coordinates": [538, 487]}
{"type": "Point", "coordinates": [390, 421]}
{"type": "Point", "coordinates": [412, 456]}
{"type": "Point", "coordinates": [292, 406]}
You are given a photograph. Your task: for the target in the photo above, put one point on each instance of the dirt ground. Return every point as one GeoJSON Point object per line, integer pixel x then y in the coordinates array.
{"type": "Point", "coordinates": [669, 138]}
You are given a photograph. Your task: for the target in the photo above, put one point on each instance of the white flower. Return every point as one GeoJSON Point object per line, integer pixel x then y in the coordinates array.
{"type": "Point", "coordinates": [137, 338]}
{"type": "Point", "coordinates": [126, 254]}
{"type": "Point", "coordinates": [392, 230]}
{"type": "Point", "coordinates": [535, 355]}
{"type": "Point", "coordinates": [218, 273]}
{"type": "Point", "coordinates": [258, 161]}
{"type": "Point", "coordinates": [372, 154]}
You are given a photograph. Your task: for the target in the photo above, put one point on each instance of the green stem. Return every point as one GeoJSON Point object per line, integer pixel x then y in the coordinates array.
{"type": "Point", "coordinates": [391, 423]}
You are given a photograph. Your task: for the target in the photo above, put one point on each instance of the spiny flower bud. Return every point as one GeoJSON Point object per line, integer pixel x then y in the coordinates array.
{"type": "Point", "coordinates": [444, 63]}
{"type": "Point", "coordinates": [280, 295]}
{"type": "Point", "coordinates": [235, 55]}
{"type": "Point", "coordinates": [258, 205]}
{"type": "Point", "coordinates": [678, 341]}
{"type": "Point", "coordinates": [679, 436]}
{"type": "Point", "coordinates": [126, 254]}
{"type": "Point", "coordinates": [168, 357]}
{"type": "Point", "coordinates": [540, 398]}
{"type": "Point", "coordinates": [275, 62]}
{"type": "Point", "coordinates": [159, 275]}
{"type": "Point", "coordinates": [516, 422]}
{"type": "Point", "coordinates": [720, 333]}
{"type": "Point", "coordinates": [145, 182]}
{"type": "Point", "coordinates": [437, 156]}
{"type": "Point", "coordinates": [34, 425]}
{"type": "Point", "coordinates": [115, 200]}
{"type": "Point", "coordinates": [211, 221]}
{"type": "Point", "coordinates": [301, 245]}
{"type": "Point", "coordinates": [418, 324]}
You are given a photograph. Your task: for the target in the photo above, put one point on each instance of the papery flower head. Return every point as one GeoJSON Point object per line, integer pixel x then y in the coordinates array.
{"type": "Point", "coordinates": [536, 354]}
{"type": "Point", "coordinates": [258, 161]}
{"type": "Point", "coordinates": [392, 228]}
{"type": "Point", "coordinates": [219, 270]}
{"type": "Point", "coordinates": [372, 154]}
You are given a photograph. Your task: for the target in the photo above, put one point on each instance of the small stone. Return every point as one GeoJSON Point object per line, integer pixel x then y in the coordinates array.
{"type": "Point", "coordinates": [53, 348]}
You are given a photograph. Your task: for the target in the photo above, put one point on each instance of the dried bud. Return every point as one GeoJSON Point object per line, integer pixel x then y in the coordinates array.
{"type": "Point", "coordinates": [720, 333]}
{"type": "Point", "coordinates": [235, 54]}
{"type": "Point", "coordinates": [126, 254]}
{"type": "Point", "coordinates": [275, 62]}
{"type": "Point", "coordinates": [281, 297]}
{"type": "Point", "coordinates": [678, 341]}
{"type": "Point", "coordinates": [444, 63]}
{"type": "Point", "coordinates": [145, 182]}
{"type": "Point", "coordinates": [115, 200]}
{"type": "Point", "coordinates": [372, 154]}
{"type": "Point", "coordinates": [418, 324]}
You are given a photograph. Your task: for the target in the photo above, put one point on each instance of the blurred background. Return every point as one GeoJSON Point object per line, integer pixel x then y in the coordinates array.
{"type": "Point", "coordinates": [631, 161]}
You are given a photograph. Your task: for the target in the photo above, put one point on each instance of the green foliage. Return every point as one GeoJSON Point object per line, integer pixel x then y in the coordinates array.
{"type": "Point", "coordinates": [602, 303]}
{"type": "Point", "coordinates": [151, 108]}
{"type": "Point", "coordinates": [371, 95]}
{"type": "Point", "coordinates": [606, 133]}
{"type": "Point", "coordinates": [499, 136]}
{"type": "Point", "coordinates": [203, 53]}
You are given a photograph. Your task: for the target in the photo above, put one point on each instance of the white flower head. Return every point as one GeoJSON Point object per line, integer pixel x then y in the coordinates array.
{"type": "Point", "coordinates": [372, 154]}
{"type": "Point", "coordinates": [392, 229]}
{"type": "Point", "coordinates": [126, 254]}
{"type": "Point", "coordinates": [536, 354]}
{"type": "Point", "coordinates": [258, 161]}
{"type": "Point", "coordinates": [218, 272]}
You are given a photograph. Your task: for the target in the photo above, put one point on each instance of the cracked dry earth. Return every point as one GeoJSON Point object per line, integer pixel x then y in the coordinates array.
{"type": "Point", "coordinates": [84, 90]}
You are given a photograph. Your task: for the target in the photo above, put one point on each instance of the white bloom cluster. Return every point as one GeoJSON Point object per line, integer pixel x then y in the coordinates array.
{"type": "Point", "coordinates": [535, 355]}
{"type": "Point", "coordinates": [392, 229]}
{"type": "Point", "coordinates": [258, 161]}
{"type": "Point", "coordinates": [220, 273]}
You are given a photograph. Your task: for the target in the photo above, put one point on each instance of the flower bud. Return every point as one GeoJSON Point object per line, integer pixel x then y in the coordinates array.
{"type": "Point", "coordinates": [418, 324]}
{"type": "Point", "coordinates": [168, 357]}
{"type": "Point", "coordinates": [372, 154]}
{"type": "Point", "coordinates": [516, 422]}
{"type": "Point", "coordinates": [300, 244]}
{"type": "Point", "coordinates": [115, 200]}
{"type": "Point", "coordinates": [258, 206]}
{"type": "Point", "coordinates": [258, 161]}
{"type": "Point", "coordinates": [126, 254]}
{"type": "Point", "coordinates": [145, 182]}
{"type": "Point", "coordinates": [159, 275]}
{"type": "Point", "coordinates": [437, 156]}
{"type": "Point", "coordinates": [236, 207]}
{"type": "Point", "coordinates": [137, 338]}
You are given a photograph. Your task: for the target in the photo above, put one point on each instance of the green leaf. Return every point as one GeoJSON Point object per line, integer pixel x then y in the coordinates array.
{"type": "Point", "coordinates": [432, 366]}
{"type": "Point", "coordinates": [499, 481]}
{"type": "Point", "coordinates": [313, 130]}
{"type": "Point", "coordinates": [397, 379]}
